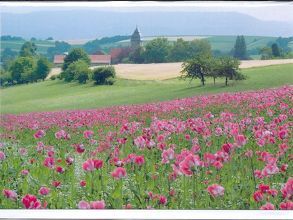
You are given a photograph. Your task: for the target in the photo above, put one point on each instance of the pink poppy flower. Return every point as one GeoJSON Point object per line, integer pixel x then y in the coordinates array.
{"type": "Point", "coordinates": [139, 160]}
{"type": "Point", "coordinates": [119, 172]}
{"type": "Point", "coordinates": [44, 191]}
{"type": "Point", "coordinates": [49, 162]}
{"type": "Point", "coordinates": [82, 183]}
{"type": "Point", "coordinates": [88, 134]}
{"type": "Point", "coordinates": [240, 140]}
{"type": "Point", "coordinates": [98, 164]}
{"type": "Point", "coordinates": [39, 134]}
{"type": "Point", "coordinates": [162, 200]}
{"type": "Point", "coordinates": [31, 202]}
{"type": "Point", "coordinates": [258, 196]}
{"type": "Point", "coordinates": [267, 206]}
{"type": "Point", "coordinates": [59, 169]}
{"type": "Point", "coordinates": [9, 194]}
{"type": "Point", "coordinates": [216, 190]}
{"type": "Point", "coordinates": [56, 184]}
{"type": "Point", "coordinates": [24, 172]}
{"type": "Point", "coordinates": [286, 205]}
{"type": "Point", "coordinates": [2, 155]}
{"type": "Point", "coordinates": [98, 204]}
{"type": "Point", "coordinates": [84, 205]}
{"type": "Point", "coordinates": [88, 165]}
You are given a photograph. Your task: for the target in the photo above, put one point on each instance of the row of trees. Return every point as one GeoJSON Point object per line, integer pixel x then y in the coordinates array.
{"type": "Point", "coordinates": [76, 68]}
{"type": "Point", "coordinates": [203, 66]}
{"type": "Point", "coordinates": [160, 50]}
{"type": "Point", "coordinates": [27, 67]}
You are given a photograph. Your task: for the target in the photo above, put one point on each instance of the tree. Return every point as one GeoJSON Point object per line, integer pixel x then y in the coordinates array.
{"type": "Point", "coordinates": [239, 50]}
{"type": "Point", "coordinates": [199, 48]}
{"type": "Point", "coordinates": [104, 75]}
{"type": "Point", "coordinates": [266, 53]}
{"type": "Point", "coordinates": [198, 67]}
{"type": "Point", "coordinates": [5, 77]}
{"type": "Point", "coordinates": [156, 50]}
{"type": "Point", "coordinates": [28, 49]}
{"type": "Point", "coordinates": [77, 70]}
{"type": "Point", "coordinates": [275, 50]}
{"type": "Point", "coordinates": [60, 48]}
{"type": "Point", "coordinates": [75, 55]}
{"type": "Point", "coordinates": [228, 67]}
{"type": "Point", "coordinates": [43, 68]}
{"type": "Point", "coordinates": [179, 51]}
{"type": "Point", "coordinates": [22, 69]}
{"type": "Point", "coordinates": [136, 56]}
{"type": "Point", "coordinates": [7, 56]}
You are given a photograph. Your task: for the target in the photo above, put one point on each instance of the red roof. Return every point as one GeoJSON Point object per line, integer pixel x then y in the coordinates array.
{"type": "Point", "coordinates": [115, 52]}
{"type": "Point", "coordinates": [101, 59]}
{"type": "Point", "coordinates": [58, 59]}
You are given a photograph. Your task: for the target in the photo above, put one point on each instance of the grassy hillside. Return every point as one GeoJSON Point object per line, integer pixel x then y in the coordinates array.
{"type": "Point", "coordinates": [57, 95]}
{"type": "Point", "coordinates": [42, 46]}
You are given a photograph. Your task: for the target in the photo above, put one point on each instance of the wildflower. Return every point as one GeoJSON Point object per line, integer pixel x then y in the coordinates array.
{"type": "Point", "coordinates": [88, 134]}
{"type": "Point", "coordinates": [267, 206]}
{"type": "Point", "coordinates": [82, 183]}
{"type": "Point", "coordinates": [9, 194]}
{"type": "Point", "coordinates": [258, 196]}
{"type": "Point", "coordinates": [98, 204]}
{"type": "Point", "coordinates": [88, 165]}
{"type": "Point", "coordinates": [39, 134]}
{"type": "Point", "coordinates": [216, 190]}
{"type": "Point", "coordinates": [286, 205]}
{"type": "Point", "coordinates": [119, 173]}
{"type": "Point", "coordinates": [44, 191]}
{"type": "Point", "coordinates": [49, 162]}
{"type": "Point", "coordinates": [2, 155]}
{"type": "Point", "coordinates": [84, 205]}
{"type": "Point", "coordinates": [139, 160]}
{"type": "Point", "coordinates": [31, 202]}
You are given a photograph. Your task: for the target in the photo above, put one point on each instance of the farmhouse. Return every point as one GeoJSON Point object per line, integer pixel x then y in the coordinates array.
{"type": "Point", "coordinates": [95, 60]}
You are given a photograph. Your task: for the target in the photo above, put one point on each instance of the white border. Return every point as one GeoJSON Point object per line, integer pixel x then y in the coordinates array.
{"type": "Point", "coordinates": [145, 214]}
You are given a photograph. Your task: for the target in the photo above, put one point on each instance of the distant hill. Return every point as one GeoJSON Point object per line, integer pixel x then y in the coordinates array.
{"type": "Point", "coordinates": [91, 24]}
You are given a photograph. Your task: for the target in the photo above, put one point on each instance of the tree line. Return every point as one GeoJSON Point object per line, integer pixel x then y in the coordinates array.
{"type": "Point", "coordinates": [27, 67]}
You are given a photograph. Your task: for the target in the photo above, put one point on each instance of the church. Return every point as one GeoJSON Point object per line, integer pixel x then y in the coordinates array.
{"type": "Point", "coordinates": [117, 54]}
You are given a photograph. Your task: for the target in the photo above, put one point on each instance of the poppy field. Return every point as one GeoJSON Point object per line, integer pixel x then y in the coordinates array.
{"type": "Point", "coordinates": [221, 151]}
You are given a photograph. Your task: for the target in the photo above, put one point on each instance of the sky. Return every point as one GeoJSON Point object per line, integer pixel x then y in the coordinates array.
{"type": "Point", "coordinates": [268, 11]}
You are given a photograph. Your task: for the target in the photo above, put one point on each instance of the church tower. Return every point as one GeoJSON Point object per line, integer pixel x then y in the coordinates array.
{"type": "Point", "coordinates": [135, 39]}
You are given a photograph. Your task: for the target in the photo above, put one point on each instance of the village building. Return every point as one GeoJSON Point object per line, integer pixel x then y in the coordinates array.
{"type": "Point", "coordinates": [116, 54]}
{"type": "Point", "coordinates": [96, 60]}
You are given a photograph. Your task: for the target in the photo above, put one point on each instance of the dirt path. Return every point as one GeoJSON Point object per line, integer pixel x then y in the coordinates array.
{"type": "Point", "coordinates": [161, 71]}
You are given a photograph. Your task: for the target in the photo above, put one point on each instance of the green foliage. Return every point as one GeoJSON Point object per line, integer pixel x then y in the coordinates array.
{"type": "Point", "coordinates": [28, 49]}
{"type": "Point", "coordinates": [77, 70]}
{"type": "Point", "coordinates": [7, 56]}
{"type": "Point", "coordinates": [60, 48]}
{"type": "Point", "coordinates": [266, 53]}
{"type": "Point", "coordinates": [22, 69]}
{"type": "Point", "coordinates": [227, 67]}
{"type": "Point", "coordinates": [53, 77]}
{"type": "Point", "coordinates": [239, 50]}
{"type": "Point", "coordinates": [198, 67]}
{"type": "Point", "coordinates": [104, 75]}
{"type": "Point", "coordinates": [75, 55]}
{"type": "Point", "coordinates": [156, 50]}
{"type": "Point", "coordinates": [43, 68]}
{"type": "Point", "coordinates": [203, 66]}
{"type": "Point", "coordinates": [5, 77]}
{"type": "Point", "coordinates": [137, 55]}
{"type": "Point", "coordinates": [92, 46]}
{"type": "Point", "coordinates": [179, 51]}
{"type": "Point", "coordinates": [199, 47]}
{"type": "Point", "coordinates": [275, 50]}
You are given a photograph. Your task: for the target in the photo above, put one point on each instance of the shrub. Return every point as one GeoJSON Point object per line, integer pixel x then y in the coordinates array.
{"type": "Point", "coordinates": [104, 75]}
{"type": "Point", "coordinates": [76, 71]}
{"type": "Point", "coordinates": [53, 77]}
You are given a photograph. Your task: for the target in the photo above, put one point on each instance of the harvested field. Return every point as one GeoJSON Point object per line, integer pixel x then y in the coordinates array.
{"type": "Point", "coordinates": [162, 71]}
